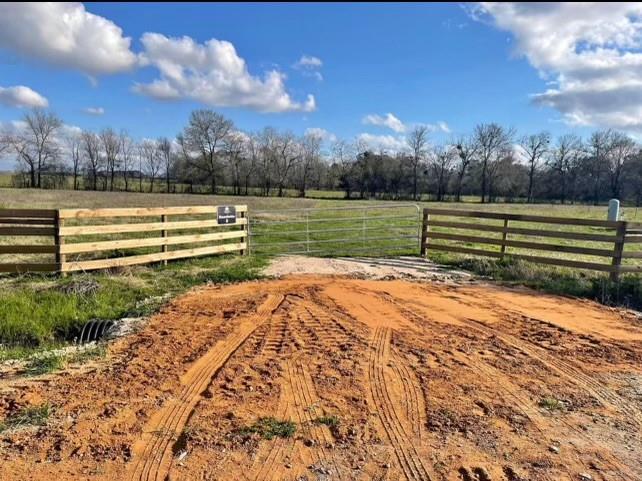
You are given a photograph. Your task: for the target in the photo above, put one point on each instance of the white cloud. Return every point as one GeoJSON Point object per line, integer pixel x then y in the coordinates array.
{"type": "Point", "coordinates": [309, 66]}
{"type": "Point", "coordinates": [394, 123]}
{"type": "Point", "coordinates": [389, 120]}
{"type": "Point", "coordinates": [443, 127]}
{"type": "Point", "coordinates": [308, 62]}
{"type": "Point", "coordinates": [323, 134]}
{"type": "Point", "coordinates": [387, 143]}
{"type": "Point", "coordinates": [21, 96]}
{"type": "Point", "coordinates": [65, 35]}
{"type": "Point", "coordinates": [94, 111]}
{"type": "Point", "coordinates": [590, 53]}
{"type": "Point", "coordinates": [214, 74]}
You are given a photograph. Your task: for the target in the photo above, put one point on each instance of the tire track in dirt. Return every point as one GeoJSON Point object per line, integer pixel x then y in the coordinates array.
{"type": "Point", "coordinates": [164, 427]}
{"type": "Point", "coordinates": [600, 392]}
{"type": "Point", "coordinates": [299, 402]}
{"type": "Point", "coordinates": [523, 403]}
{"type": "Point", "coordinates": [271, 467]}
{"type": "Point", "coordinates": [541, 423]}
{"type": "Point", "coordinates": [305, 402]}
{"type": "Point", "coordinates": [409, 459]}
{"type": "Point", "coordinates": [309, 332]}
{"type": "Point", "coordinates": [413, 396]}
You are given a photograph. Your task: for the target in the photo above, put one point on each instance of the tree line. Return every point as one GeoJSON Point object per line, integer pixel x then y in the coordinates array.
{"type": "Point", "coordinates": [211, 155]}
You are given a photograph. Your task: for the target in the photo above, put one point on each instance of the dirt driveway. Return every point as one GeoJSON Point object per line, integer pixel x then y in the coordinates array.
{"type": "Point", "coordinates": [377, 379]}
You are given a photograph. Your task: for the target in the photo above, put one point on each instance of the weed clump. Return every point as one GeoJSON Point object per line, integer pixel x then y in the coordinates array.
{"type": "Point", "coordinates": [269, 428]}
{"type": "Point", "coordinates": [551, 404]}
{"type": "Point", "coordinates": [28, 416]}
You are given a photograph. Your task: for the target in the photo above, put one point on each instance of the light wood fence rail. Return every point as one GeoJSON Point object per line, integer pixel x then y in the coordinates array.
{"type": "Point", "coordinates": [611, 242]}
{"type": "Point", "coordinates": [65, 240]}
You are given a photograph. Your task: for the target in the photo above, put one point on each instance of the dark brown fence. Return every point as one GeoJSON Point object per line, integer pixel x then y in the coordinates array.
{"type": "Point", "coordinates": [607, 246]}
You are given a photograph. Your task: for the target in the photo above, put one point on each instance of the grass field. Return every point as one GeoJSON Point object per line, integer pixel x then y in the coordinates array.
{"type": "Point", "coordinates": [39, 311]}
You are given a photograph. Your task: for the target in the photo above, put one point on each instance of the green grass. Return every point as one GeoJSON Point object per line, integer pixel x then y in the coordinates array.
{"type": "Point", "coordinates": [41, 312]}
{"type": "Point", "coordinates": [572, 282]}
{"type": "Point", "coordinates": [551, 404]}
{"type": "Point", "coordinates": [28, 416]}
{"type": "Point", "coordinates": [330, 421]}
{"type": "Point", "coordinates": [37, 312]}
{"type": "Point", "coordinates": [44, 363]}
{"type": "Point", "coordinates": [92, 353]}
{"type": "Point", "coordinates": [269, 428]}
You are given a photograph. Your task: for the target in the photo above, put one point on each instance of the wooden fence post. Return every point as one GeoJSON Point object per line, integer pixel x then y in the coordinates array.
{"type": "Point", "coordinates": [424, 234]}
{"type": "Point", "coordinates": [618, 250]}
{"type": "Point", "coordinates": [59, 240]}
{"type": "Point", "coordinates": [504, 237]}
{"type": "Point", "coordinates": [164, 234]}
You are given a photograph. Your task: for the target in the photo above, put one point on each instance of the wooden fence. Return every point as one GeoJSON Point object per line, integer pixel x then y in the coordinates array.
{"type": "Point", "coordinates": [88, 239]}
{"type": "Point", "coordinates": [617, 243]}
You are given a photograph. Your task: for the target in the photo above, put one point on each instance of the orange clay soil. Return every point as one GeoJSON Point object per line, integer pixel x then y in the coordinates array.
{"type": "Point", "coordinates": [383, 380]}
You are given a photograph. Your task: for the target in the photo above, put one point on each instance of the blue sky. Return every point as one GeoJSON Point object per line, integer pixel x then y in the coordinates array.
{"type": "Point", "coordinates": [422, 63]}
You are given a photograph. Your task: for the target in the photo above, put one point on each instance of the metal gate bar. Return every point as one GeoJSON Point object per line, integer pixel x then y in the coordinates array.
{"type": "Point", "coordinates": [300, 231]}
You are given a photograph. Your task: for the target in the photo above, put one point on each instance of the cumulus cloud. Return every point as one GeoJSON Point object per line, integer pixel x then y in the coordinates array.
{"type": "Point", "coordinates": [386, 143]}
{"type": "Point", "coordinates": [65, 35]}
{"type": "Point", "coordinates": [389, 120]}
{"type": "Point", "coordinates": [94, 111]}
{"type": "Point", "coordinates": [589, 52]}
{"type": "Point", "coordinates": [21, 96]}
{"type": "Point", "coordinates": [323, 134]}
{"type": "Point", "coordinates": [214, 74]}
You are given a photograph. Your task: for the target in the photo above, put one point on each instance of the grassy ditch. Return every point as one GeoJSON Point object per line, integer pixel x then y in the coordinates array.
{"type": "Point", "coordinates": [571, 282]}
{"type": "Point", "coordinates": [41, 312]}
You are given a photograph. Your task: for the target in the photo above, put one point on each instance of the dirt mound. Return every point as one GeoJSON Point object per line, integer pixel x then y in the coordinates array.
{"type": "Point", "coordinates": [364, 268]}
{"type": "Point", "coordinates": [326, 378]}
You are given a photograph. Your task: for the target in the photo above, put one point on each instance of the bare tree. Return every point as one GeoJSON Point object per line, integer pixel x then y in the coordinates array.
{"type": "Point", "coordinates": [621, 150]}
{"type": "Point", "coordinates": [251, 159]}
{"type": "Point", "coordinates": [599, 144]}
{"type": "Point", "coordinates": [310, 157]}
{"type": "Point", "coordinates": [466, 152]}
{"type": "Point", "coordinates": [204, 139]}
{"type": "Point", "coordinates": [90, 143]}
{"type": "Point", "coordinates": [74, 143]}
{"type": "Point", "coordinates": [287, 154]}
{"type": "Point", "coordinates": [151, 161]}
{"type": "Point", "coordinates": [535, 147]}
{"type": "Point", "coordinates": [493, 141]}
{"type": "Point", "coordinates": [563, 160]}
{"type": "Point", "coordinates": [5, 143]}
{"type": "Point", "coordinates": [35, 143]}
{"type": "Point", "coordinates": [268, 140]}
{"type": "Point", "coordinates": [127, 154]}
{"type": "Point", "coordinates": [343, 156]}
{"type": "Point", "coordinates": [441, 163]}
{"type": "Point", "coordinates": [111, 148]}
{"type": "Point", "coordinates": [417, 141]}
{"type": "Point", "coordinates": [234, 147]}
{"type": "Point", "coordinates": [164, 147]}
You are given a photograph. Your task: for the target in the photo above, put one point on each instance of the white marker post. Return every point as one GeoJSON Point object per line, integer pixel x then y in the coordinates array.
{"type": "Point", "coordinates": [614, 210]}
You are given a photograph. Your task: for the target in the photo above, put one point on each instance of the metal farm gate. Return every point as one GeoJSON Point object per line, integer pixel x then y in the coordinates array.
{"type": "Point", "coordinates": [385, 229]}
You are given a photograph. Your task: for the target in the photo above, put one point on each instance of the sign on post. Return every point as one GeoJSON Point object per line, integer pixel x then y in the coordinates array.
{"type": "Point", "coordinates": [226, 214]}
